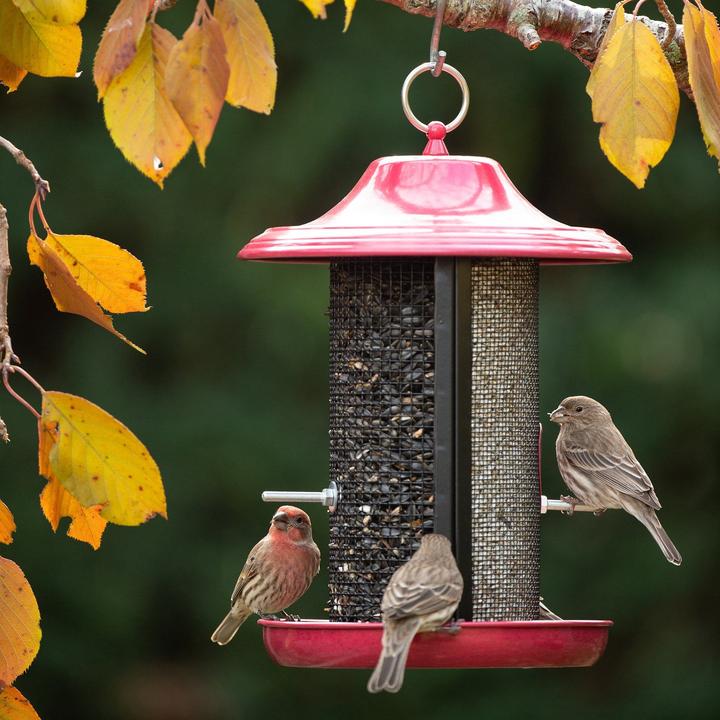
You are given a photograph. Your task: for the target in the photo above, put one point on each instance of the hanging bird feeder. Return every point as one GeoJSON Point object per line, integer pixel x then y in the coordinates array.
{"type": "Point", "coordinates": [434, 404]}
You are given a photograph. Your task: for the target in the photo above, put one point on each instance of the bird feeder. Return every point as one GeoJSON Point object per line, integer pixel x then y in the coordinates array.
{"type": "Point", "coordinates": [434, 405]}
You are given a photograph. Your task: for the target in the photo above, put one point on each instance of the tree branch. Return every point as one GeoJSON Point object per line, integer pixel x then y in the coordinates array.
{"type": "Point", "coordinates": [6, 351]}
{"type": "Point", "coordinates": [42, 186]}
{"type": "Point", "coordinates": [8, 358]}
{"type": "Point", "coordinates": [578, 28]}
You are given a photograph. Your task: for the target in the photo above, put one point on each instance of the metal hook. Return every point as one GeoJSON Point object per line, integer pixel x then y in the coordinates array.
{"type": "Point", "coordinates": [437, 57]}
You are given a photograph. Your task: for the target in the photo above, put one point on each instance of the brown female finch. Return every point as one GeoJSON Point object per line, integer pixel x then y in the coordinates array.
{"type": "Point", "coordinates": [277, 572]}
{"type": "Point", "coordinates": [421, 596]}
{"type": "Point", "coordinates": [601, 470]}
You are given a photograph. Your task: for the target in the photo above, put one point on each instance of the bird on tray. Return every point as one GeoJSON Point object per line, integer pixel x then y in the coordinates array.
{"type": "Point", "coordinates": [277, 572]}
{"type": "Point", "coordinates": [421, 596]}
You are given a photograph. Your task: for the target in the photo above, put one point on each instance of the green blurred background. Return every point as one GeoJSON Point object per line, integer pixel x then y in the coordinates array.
{"type": "Point", "coordinates": [232, 397]}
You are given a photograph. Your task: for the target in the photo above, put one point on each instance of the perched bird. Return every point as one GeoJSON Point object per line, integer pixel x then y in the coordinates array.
{"type": "Point", "coordinates": [277, 572]}
{"type": "Point", "coordinates": [421, 596]}
{"type": "Point", "coordinates": [601, 470]}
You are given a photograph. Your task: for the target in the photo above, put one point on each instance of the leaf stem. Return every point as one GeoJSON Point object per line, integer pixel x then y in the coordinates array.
{"type": "Point", "coordinates": [6, 382]}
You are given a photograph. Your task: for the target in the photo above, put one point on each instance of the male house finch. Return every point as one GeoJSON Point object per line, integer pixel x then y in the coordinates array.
{"type": "Point", "coordinates": [421, 596]}
{"type": "Point", "coordinates": [601, 470]}
{"type": "Point", "coordinates": [277, 572]}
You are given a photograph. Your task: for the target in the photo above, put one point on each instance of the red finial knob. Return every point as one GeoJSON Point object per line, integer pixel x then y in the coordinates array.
{"type": "Point", "coordinates": [436, 132]}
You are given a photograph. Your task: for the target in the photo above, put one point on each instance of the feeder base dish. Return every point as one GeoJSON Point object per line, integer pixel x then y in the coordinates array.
{"type": "Point", "coordinates": [517, 644]}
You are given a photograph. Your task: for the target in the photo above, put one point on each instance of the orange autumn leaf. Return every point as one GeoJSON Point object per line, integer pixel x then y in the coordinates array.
{"type": "Point", "coordinates": [119, 41]}
{"type": "Point", "coordinates": [86, 524]}
{"type": "Point", "coordinates": [14, 706]}
{"type": "Point", "coordinates": [702, 45]}
{"type": "Point", "coordinates": [37, 43]}
{"type": "Point", "coordinates": [197, 76]}
{"type": "Point", "coordinates": [142, 121]}
{"type": "Point", "coordinates": [7, 524]}
{"type": "Point", "coordinates": [68, 295]}
{"type": "Point", "coordinates": [250, 55]}
{"type": "Point", "coordinates": [110, 275]}
{"type": "Point", "coordinates": [98, 460]}
{"type": "Point", "coordinates": [10, 74]}
{"type": "Point", "coordinates": [19, 623]}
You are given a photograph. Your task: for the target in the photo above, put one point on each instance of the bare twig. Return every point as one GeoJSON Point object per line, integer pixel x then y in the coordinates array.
{"type": "Point", "coordinates": [9, 361]}
{"type": "Point", "coordinates": [578, 28]}
{"type": "Point", "coordinates": [42, 186]}
{"type": "Point", "coordinates": [6, 351]}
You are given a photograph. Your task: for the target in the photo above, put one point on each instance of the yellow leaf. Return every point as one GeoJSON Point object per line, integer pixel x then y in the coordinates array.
{"type": "Point", "coordinates": [99, 461]}
{"type": "Point", "coordinates": [56, 502]}
{"type": "Point", "coordinates": [14, 706]}
{"type": "Point", "coordinates": [10, 74]}
{"type": "Point", "coordinates": [142, 121]}
{"type": "Point", "coordinates": [86, 524]}
{"type": "Point", "coordinates": [110, 275]}
{"type": "Point", "coordinates": [616, 22]}
{"type": "Point", "coordinates": [250, 54]}
{"type": "Point", "coordinates": [38, 45]}
{"type": "Point", "coordinates": [66, 292]}
{"type": "Point", "coordinates": [119, 41]}
{"type": "Point", "coordinates": [317, 7]}
{"type": "Point", "coordinates": [7, 524]}
{"type": "Point", "coordinates": [62, 12]}
{"type": "Point", "coordinates": [702, 45]}
{"type": "Point", "coordinates": [19, 623]}
{"type": "Point", "coordinates": [349, 7]}
{"type": "Point", "coordinates": [197, 79]}
{"type": "Point", "coordinates": [635, 97]}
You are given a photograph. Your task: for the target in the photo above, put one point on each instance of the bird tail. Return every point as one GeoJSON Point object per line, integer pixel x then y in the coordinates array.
{"type": "Point", "coordinates": [230, 625]}
{"type": "Point", "coordinates": [389, 672]}
{"type": "Point", "coordinates": [650, 521]}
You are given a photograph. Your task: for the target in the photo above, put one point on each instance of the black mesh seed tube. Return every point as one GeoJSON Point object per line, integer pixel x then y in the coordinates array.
{"type": "Point", "coordinates": [433, 424]}
{"type": "Point", "coordinates": [382, 364]}
{"type": "Point", "coordinates": [504, 440]}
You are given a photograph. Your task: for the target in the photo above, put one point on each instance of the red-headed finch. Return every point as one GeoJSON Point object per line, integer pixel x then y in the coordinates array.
{"type": "Point", "coordinates": [277, 572]}
{"type": "Point", "coordinates": [421, 596]}
{"type": "Point", "coordinates": [601, 470]}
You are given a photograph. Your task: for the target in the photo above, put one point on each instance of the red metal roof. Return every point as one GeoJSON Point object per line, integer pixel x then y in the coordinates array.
{"type": "Point", "coordinates": [431, 205]}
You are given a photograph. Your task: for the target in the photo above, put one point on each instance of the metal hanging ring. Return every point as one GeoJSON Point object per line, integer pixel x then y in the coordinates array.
{"type": "Point", "coordinates": [428, 67]}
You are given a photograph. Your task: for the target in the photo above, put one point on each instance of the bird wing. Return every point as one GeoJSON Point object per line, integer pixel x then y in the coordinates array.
{"type": "Point", "coordinates": [249, 571]}
{"type": "Point", "coordinates": [420, 590]}
{"type": "Point", "coordinates": [622, 472]}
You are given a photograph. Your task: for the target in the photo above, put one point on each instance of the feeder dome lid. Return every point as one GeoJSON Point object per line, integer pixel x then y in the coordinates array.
{"type": "Point", "coordinates": [435, 205]}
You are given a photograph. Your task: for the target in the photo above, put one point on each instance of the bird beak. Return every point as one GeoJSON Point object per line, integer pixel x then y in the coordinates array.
{"type": "Point", "coordinates": [280, 519]}
{"type": "Point", "coordinates": [557, 414]}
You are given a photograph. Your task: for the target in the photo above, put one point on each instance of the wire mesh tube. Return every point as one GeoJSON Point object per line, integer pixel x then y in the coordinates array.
{"type": "Point", "coordinates": [382, 431]}
{"type": "Point", "coordinates": [504, 426]}
{"type": "Point", "coordinates": [382, 360]}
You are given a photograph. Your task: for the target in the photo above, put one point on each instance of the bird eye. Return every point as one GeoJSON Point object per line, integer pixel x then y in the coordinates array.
{"type": "Point", "coordinates": [578, 408]}
{"type": "Point", "coordinates": [299, 520]}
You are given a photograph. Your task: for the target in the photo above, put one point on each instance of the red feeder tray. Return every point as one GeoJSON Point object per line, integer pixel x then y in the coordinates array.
{"type": "Point", "coordinates": [521, 644]}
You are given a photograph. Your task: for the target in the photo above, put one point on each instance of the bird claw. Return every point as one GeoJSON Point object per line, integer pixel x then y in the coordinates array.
{"type": "Point", "coordinates": [452, 628]}
{"type": "Point", "coordinates": [570, 500]}
{"type": "Point", "coordinates": [288, 616]}
{"type": "Point", "coordinates": [599, 512]}
{"type": "Point", "coordinates": [268, 617]}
